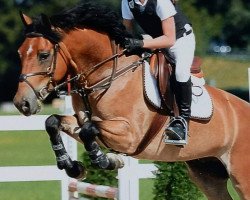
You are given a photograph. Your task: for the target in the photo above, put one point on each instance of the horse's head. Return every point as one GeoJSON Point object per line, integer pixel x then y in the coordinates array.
{"type": "Point", "coordinates": [79, 41]}
{"type": "Point", "coordinates": [43, 65]}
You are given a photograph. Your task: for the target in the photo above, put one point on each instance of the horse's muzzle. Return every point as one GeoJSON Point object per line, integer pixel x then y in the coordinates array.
{"type": "Point", "coordinates": [27, 106]}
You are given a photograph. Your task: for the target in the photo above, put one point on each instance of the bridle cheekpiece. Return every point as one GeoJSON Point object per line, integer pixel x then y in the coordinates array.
{"type": "Point", "coordinates": [44, 91]}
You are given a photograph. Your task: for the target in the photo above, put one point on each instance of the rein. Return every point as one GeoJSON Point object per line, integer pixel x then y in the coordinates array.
{"type": "Point", "coordinates": [85, 89]}
{"type": "Point", "coordinates": [107, 81]}
{"type": "Point", "coordinates": [103, 84]}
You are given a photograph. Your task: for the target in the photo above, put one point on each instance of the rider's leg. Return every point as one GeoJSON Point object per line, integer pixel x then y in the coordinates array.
{"type": "Point", "coordinates": [183, 50]}
{"type": "Point", "coordinates": [183, 95]}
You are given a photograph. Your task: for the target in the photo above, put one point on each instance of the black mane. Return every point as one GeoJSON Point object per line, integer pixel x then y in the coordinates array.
{"type": "Point", "coordinates": [85, 15]}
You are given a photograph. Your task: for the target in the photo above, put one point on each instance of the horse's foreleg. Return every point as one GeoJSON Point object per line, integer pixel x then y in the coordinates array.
{"type": "Point", "coordinates": [53, 126]}
{"type": "Point", "coordinates": [211, 177]}
{"type": "Point", "coordinates": [98, 158]}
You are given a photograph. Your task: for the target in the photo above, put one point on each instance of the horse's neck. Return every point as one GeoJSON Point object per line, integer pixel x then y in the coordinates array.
{"type": "Point", "coordinates": [88, 48]}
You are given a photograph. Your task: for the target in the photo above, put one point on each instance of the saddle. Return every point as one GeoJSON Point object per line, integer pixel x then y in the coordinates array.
{"type": "Point", "coordinates": [162, 68]}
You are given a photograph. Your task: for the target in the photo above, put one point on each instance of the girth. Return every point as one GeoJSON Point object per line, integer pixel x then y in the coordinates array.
{"type": "Point", "coordinates": [156, 125]}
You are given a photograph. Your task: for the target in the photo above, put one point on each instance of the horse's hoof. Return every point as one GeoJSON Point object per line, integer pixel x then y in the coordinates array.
{"type": "Point", "coordinates": [77, 171]}
{"type": "Point", "coordinates": [83, 173]}
{"type": "Point", "coordinates": [116, 160]}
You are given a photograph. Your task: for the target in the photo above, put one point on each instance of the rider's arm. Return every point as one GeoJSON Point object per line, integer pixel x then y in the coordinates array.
{"type": "Point", "coordinates": [166, 11]}
{"type": "Point", "coordinates": [166, 40]}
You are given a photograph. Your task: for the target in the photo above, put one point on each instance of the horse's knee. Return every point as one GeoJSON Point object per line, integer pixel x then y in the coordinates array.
{"type": "Point", "coordinates": [52, 124]}
{"type": "Point", "coordinates": [88, 132]}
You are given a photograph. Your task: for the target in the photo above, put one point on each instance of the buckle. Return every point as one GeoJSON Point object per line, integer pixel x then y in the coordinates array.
{"type": "Point", "coordinates": [187, 33]}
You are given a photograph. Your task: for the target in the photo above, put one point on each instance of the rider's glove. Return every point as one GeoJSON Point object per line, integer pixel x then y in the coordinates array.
{"type": "Point", "coordinates": [133, 46]}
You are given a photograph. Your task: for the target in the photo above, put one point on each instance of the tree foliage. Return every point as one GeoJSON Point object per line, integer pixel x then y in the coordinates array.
{"type": "Point", "coordinates": [173, 183]}
{"type": "Point", "coordinates": [235, 29]}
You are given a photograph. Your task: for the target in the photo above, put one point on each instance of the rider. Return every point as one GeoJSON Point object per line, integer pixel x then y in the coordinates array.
{"type": "Point", "coordinates": [170, 29]}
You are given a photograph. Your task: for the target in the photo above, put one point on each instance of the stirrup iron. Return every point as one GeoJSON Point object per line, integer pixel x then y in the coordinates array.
{"type": "Point", "coordinates": [183, 122]}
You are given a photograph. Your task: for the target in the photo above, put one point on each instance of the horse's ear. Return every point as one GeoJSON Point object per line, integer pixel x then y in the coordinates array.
{"type": "Point", "coordinates": [25, 19]}
{"type": "Point", "coordinates": [46, 21]}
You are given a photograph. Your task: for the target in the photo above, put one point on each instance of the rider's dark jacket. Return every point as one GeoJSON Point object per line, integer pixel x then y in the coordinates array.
{"type": "Point", "coordinates": [150, 22]}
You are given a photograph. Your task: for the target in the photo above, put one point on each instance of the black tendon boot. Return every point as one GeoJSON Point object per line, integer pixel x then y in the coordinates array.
{"type": "Point", "coordinates": [176, 131]}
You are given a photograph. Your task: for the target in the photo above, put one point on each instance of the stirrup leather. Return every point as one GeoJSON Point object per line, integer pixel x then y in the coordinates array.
{"type": "Point", "coordinates": [185, 127]}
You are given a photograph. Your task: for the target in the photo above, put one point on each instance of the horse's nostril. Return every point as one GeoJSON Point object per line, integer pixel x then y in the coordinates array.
{"type": "Point", "coordinates": [25, 106]}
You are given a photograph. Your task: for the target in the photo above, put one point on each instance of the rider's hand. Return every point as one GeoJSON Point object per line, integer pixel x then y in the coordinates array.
{"type": "Point", "coordinates": [133, 46]}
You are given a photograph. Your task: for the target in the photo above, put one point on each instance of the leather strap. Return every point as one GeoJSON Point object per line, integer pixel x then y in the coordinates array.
{"type": "Point", "coordinates": [156, 125]}
{"type": "Point", "coordinates": [164, 74]}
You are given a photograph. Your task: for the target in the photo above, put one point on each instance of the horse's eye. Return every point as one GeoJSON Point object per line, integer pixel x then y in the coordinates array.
{"type": "Point", "coordinates": [43, 56]}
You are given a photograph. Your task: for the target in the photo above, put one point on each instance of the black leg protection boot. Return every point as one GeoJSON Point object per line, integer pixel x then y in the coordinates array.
{"type": "Point", "coordinates": [178, 126]}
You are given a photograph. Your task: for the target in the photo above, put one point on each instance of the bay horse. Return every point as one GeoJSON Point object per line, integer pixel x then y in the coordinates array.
{"type": "Point", "coordinates": [110, 107]}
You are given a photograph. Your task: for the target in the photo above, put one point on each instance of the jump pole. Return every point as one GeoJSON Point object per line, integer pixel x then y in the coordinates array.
{"type": "Point", "coordinates": [93, 190]}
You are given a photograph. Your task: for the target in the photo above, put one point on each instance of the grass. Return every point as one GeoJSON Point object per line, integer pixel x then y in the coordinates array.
{"type": "Point", "coordinates": [25, 148]}
{"type": "Point", "coordinates": [226, 73]}
{"type": "Point", "coordinates": [46, 110]}
{"type": "Point", "coordinates": [146, 189]}
{"type": "Point", "coordinates": [46, 190]}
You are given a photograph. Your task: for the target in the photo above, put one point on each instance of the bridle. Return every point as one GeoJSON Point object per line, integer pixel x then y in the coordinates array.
{"type": "Point", "coordinates": [86, 88]}
{"type": "Point", "coordinates": [45, 90]}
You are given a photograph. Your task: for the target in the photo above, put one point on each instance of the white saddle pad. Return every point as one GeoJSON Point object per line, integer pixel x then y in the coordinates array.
{"type": "Point", "coordinates": [201, 107]}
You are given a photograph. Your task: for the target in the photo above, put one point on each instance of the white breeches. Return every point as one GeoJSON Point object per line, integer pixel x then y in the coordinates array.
{"type": "Point", "coordinates": [183, 51]}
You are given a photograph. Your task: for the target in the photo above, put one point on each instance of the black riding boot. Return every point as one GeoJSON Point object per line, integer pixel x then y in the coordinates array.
{"type": "Point", "coordinates": [179, 125]}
